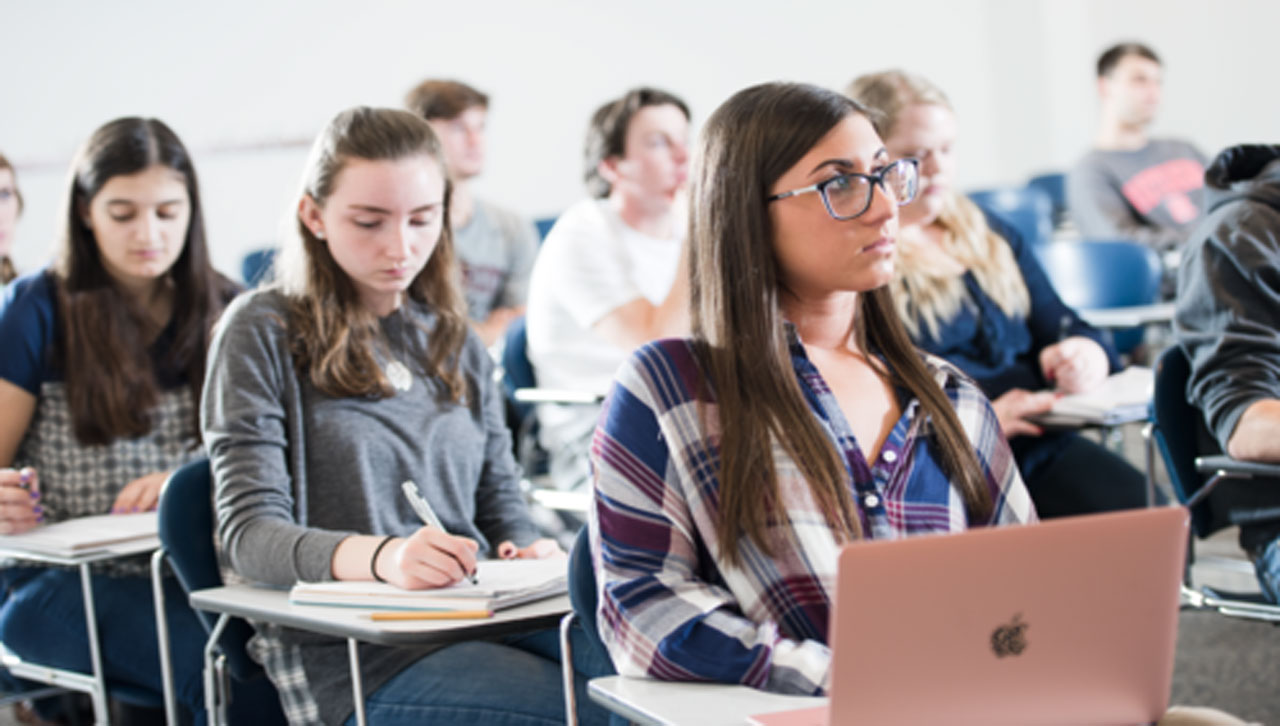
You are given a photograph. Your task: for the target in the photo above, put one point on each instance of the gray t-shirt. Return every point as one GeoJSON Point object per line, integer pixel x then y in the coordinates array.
{"type": "Point", "coordinates": [496, 250]}
{"type": "Point", "coordinates": [1150, 195]}
{"type": "Point", "coordinates": [296, 471]}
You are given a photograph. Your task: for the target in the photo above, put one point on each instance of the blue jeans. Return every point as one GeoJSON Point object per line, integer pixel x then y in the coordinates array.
{"type": "Point", "coordinates": [1268, 568]}
{"type": "Point", "coordinates": [42, 620]}
{"type": "Point", "coordinates": [512, 681]}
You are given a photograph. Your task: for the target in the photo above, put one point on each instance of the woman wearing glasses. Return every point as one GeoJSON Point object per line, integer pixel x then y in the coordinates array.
{"type": "Point", "coordinates": [730, 466]}
{"type": "Point", "coordinates": [971, 291]}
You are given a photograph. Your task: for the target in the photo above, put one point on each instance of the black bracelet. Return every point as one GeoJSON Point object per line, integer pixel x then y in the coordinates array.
{"type": "Point", "coordinates": [373, 561]}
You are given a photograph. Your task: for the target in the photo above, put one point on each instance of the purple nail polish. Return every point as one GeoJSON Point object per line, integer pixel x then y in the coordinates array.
{"type": "Point", "coordinates": [38, 509]}
{"type": "Point", "coordinates": [40, 519]}
{"type": "Point", "coordinates": [35, 495]}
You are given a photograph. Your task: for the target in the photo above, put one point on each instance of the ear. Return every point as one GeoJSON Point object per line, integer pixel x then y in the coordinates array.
{"type": "Point", "coordinates": [610, 169]}
{"type": "Point", "coordinates": [1103, 86]}
{"type": "Point", "coordinates": [310, 213]}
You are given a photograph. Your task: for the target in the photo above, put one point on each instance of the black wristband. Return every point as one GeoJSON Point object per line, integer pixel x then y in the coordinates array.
{"type": "Point", "coordinates": [373, 561]}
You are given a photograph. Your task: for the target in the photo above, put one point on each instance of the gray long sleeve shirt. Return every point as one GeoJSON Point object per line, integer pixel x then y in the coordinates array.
{"type": "Point", "coordinates": [297, 471]}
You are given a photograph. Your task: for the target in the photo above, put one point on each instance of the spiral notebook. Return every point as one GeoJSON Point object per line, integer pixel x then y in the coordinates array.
{"type": "Point", "coordinates": [502, 584]}
{"type": "Point", "coordinates": [84, 534]}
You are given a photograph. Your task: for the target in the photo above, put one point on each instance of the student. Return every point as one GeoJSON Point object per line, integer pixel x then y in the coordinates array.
{"type": "Point", "coordinates": [10, 210]}
{"type": "Point", "coordinates": [1129, 185]}
{"type": "Point", "coordinates": [104, 357]}
{"type": "Point", "coordinates": [355, 373]}
{"type": "Point", "coordinates": [496, 247]}
{"type": "Point", "coordinates": [729, 467]}
{"type": "Point", "coordinates": [611, 273]}
{"type": "Point", "coordinates": [970, 290]}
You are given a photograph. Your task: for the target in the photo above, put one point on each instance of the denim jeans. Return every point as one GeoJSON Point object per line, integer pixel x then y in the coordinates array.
{"type": "Point", "coordinates": [42, 620]}
{"type": "Point", "coordinates": [512, 681]}
{"type": "Point", "coordinates": [1268, 567]}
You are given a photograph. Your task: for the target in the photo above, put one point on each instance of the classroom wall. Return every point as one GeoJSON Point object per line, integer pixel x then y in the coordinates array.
{"type": "Point", "coordinates": [248, 84]}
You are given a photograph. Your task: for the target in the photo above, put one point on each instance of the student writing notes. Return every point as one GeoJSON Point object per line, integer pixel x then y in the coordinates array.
{"type": "Point", "coordinates": [730, 466]}
{"type": "Point", "coordinates": [355, 372]}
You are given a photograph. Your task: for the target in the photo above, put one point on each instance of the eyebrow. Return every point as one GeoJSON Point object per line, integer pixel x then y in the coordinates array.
{"type": "Point", "coordinates": [847, 164]}
{"type": "Point", "coordinates": [130, 202]}
{"type": "Point", "coordinates": [380, 210]}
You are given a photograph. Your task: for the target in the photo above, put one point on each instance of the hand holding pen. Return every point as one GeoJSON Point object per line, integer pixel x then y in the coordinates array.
{"type": "Point", "coordinates": [467, 560]}
{"type": "Point", "coordinates": [20, 508]}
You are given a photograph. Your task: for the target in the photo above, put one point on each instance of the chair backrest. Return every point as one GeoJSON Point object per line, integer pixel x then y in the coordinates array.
{"type": "Point", "coordinates": [1029, 210]}
{"type": "Point", "coordinates": [544, 225]}
{"type": "Point", "coordinates": [185, 514]}
{"type": "Point", "coordinates": [582, 590]}
{"type": "Point", "coordinates": [1175, 429]}
{"type": "Point", "coordinates": [1054, 185]}
{"type": "Point", "coordinates": [256, 267]}
{"type": "Point", "coordinates": [517, 371]}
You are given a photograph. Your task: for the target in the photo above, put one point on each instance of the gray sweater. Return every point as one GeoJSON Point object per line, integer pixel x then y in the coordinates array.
{"type": "Point", "coordinates": [296, 471]}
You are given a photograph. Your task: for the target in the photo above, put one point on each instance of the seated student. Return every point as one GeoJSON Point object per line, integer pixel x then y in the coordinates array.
{"type": "Point", "coordinates": [1228, 322]}
{"type": "Point", "coordinates": [494, 246]}
{"type": "Point", "coordinates": [611, 274]}
{"type": "Point", "coordinates": [729, 467]}
{"type": "Point", "coordinates": [10, 210]}
{"type": "Point", "coordinates": [356, 372]}
{"type": "Point", "coordinates": [970, 290]}
{"type": "Point", "coordinates": [104, 356]}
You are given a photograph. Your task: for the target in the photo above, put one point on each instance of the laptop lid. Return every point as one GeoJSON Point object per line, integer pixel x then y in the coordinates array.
{"type": "Point", "coordinates": [1071, 621]}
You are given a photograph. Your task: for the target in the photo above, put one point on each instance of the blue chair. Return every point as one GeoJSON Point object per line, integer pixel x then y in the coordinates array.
{"type": "Point", "coordinates": [544, 225]}
{"type": "Point", "coordinates": [1178, 432]}
{"type": "Point", "coordinates": [1055, 186]}
{"type": "Point", "coordinates": [582, 595]}
{"type": "Point", "coordinates": [186, 538]}
{"type": "Point", "coordinates": [1029, 210]}
{"type": "Point", "coordinates": [256, 267]}
{"type": "Point", "coordinates": [1096, 274]}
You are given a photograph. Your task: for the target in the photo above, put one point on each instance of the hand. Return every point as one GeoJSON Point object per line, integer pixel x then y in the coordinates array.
{"type": "Point", "coordinates": [492, 328]}
{"type": "Point", "coordinates": [1075, 365]}
{"type": "Point", "coordinates": [141, 494]}
{"type": "Point", "coordinates": [1015, 405]}
{"type": "Point", "coordinates": [428, 558]}
{"type": "Point", "coordinates": [539, 549]}
{"type": "Point", "coordinates": [20, 509]}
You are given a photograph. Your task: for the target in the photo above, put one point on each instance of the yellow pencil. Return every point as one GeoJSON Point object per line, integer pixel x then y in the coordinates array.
{"type": "Point", "coordinates": [432, 615]}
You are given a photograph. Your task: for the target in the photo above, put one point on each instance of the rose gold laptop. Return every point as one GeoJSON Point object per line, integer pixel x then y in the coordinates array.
{"type": "Point", "coordinates": [1071, 621]}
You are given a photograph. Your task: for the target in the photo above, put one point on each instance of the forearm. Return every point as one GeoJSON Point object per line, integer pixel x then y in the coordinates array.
{"type": "Point", "coordinates": [353, 557]}
{"type": "Point", "coordinates": [1257, 433]}
{"type": "Point", "coordinates": [277, 552]}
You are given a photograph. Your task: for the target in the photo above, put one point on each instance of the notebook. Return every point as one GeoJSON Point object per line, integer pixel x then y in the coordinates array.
{"type": "Point", "coordinates": [1071, 621]}
{"type": "Point", "coordinates": [1123, 397]}
{"type": "Point", "coordinates": [502, 584]}
{"type": "Point", "coordinates": [84, 534]}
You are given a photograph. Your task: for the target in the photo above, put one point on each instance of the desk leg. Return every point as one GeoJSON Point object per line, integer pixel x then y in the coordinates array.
{"type": "Point", "coordinates": [162, 637]}
{"type": "Point", "coordinates": [1148, 437]}
{"type": "Point", "coordinates": [213, 698]}
{"type": "Point", "coordinates": [357, 688]}
{"type": "Point", "coordinates": [99, 693]}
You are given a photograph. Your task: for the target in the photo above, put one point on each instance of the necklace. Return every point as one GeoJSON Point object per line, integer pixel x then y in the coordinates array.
{"type": "Point", "coordinates": [399, 375]}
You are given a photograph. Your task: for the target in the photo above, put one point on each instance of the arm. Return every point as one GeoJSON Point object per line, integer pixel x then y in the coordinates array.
{"type": "Point", "coordinates": [639, 321]}
{"type": "Point", "coordinates": [1257, 435]}
{"type": "Point", "coordinates": [658, 617]}
{"type": "Point", "coordinates": [1009, 495]}
{"type": "Point", "coordinates": [1100, 211]}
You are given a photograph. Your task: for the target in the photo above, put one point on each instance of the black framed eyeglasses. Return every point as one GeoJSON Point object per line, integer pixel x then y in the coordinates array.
{"type": "Point", "coordinates": [849, 195]}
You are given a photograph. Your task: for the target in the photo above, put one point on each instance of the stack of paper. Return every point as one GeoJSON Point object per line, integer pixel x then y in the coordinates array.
{"type": "Point", "coordinates": [84, 534]}
{"type": "Point", "coordinates": [1122, 398]}
{"type": "Point", "coordinates": [502, 584]}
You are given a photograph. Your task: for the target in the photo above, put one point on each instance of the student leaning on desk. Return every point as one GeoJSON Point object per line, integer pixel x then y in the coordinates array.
{"type": "Point", "coordinates": [104, 354]}
{"type": "Point", "coordinates": [357, 372]}
{"type": "Point", "coordinates": [731, 466]}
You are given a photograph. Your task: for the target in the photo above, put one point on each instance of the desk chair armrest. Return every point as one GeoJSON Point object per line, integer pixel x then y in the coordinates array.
{"type": "Point", "coordinates": [1236, 468]}
{"type": "Point", "coordinates": [556, 395]}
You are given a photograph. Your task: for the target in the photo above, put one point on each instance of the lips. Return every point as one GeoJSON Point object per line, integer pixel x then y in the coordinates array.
{"type": "Point", "coordinates": [884, 244]}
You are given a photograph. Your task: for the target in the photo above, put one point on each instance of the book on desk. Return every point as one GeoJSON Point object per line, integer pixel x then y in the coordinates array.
{"type": "Point", "coordinates": [1122, 398]}
{"type": "Point", "coordinates": [502, 584]}
{"type": "Point", "coordinates": [83, 535]}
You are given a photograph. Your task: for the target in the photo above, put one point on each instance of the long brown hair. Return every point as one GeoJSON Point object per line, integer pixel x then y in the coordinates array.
{"type": "Point", "coordinates": [7, 271]}
{"type": "Point", "coordinates": [102, 352]}
{"type": "Point", "coordinates": [738, 327]}
{"type": "Point", "coordinates": [333, 337]}
{"type": "Point", "coordinates": [925, 292]}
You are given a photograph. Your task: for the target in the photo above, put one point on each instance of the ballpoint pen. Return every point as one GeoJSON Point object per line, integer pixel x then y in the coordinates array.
{"type": "Point", "coordinates": [426, 514]}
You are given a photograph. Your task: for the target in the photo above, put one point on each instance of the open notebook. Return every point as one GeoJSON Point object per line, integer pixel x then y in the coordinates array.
{"type": "Point", "coordinates": [1122, 398]}
{"type": "Point", "coordinates": [502, 584]}
{"type": "Point", "coordinates": [84, 534]}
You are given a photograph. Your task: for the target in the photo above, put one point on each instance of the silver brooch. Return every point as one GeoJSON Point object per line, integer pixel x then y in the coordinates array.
{"type": "Point", "coordinates": [399, 376]}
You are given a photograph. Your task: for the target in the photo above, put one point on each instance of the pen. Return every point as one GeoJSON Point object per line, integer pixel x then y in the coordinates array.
{"type": "Point", "coordinates": [432, 615]}
{"type": "Point", "coordinates": [426, 514]}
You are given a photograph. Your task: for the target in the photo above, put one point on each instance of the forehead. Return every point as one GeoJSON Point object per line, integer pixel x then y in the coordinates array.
{"type": "Point", "coordinates": [1135, 65]}
{"type": "Point", "coordinates": [853, 139]}
{"type": "Point", "coordinates": [156, 182]}
{"type": "Point", "coordinates": [923, 122]}
{"type": "Point", "coordinates": [6, 177]}
{"type": "Point", "coordinates": [415, 179]}
{"type": "Point", "coordinates": [664, 117]}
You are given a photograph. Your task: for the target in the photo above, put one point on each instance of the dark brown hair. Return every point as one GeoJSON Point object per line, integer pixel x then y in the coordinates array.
{"type": "Point", "coordinates": [738, 328]}
{"type": "Point", "coordinates": [333, 337]}
{"type": "Point", "coordinates": [439, 99]}
{"type": "Point", "coordinates": [607, 133]}
{"type": "Point", "coordinates": [1112, 56]}
{"type": "Point", "coordinates": [103, 349]}
{"type": "Point", "coordinates": [7, 271]}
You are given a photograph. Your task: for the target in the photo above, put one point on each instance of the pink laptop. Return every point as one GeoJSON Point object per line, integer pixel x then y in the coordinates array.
{"type": "Point", "coordinates": [1071, 621]}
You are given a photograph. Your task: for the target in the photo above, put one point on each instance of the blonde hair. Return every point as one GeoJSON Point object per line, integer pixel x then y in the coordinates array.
{"type": "Point", "coordinates": [925, 292]}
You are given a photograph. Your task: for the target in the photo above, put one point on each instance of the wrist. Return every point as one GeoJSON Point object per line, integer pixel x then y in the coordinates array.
{"type": "Point", "coordinates": [377, 554]}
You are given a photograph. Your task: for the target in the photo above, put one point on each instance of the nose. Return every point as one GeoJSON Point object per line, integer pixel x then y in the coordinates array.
{"type": "Point", "coordinates": [148, 228]}
{"type": "Point", "coordinates": [400, 244]}
{"type": "Point", "coordinates": [883, 205]}
{"type": "Point", "coordinates": [929, 164]}
{"type": "Point", "coordinates": [680, 152]}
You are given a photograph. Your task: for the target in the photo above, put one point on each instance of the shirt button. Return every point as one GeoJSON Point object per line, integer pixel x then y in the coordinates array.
{"type": "Point", "coordinates": [871, 501]}
{"type": "Point", "coordinates": [889, 456]}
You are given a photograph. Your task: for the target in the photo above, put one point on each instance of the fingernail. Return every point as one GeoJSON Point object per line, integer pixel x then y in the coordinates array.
{"type": "Point", "coordinates": [40, 519]}
{"type": "Point", "coordinates": [25, 477]}
{"type": "Point", "coordinates": [35, 495]}
{"type": "Point", "coordinates": [115, 510]}
{"type": "Point", "coordinates": [133, 509]}
{"type": "Point", "coordinates": [38, 509]}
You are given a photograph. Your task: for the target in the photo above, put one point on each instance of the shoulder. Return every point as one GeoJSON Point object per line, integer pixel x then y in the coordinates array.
{"type": "Point", "coordinates": [585, 220]}
{"type": "Point", "coordinates": [1174, 149]}
{"type": "Point", "coordinates": [28, 328]}
{"type": "Point", "coordinates": [665, 373]}
{"type": "Point", "coordinates": [508, 221]}
{"type": "Point", "coordinates": [965, 394]}
{"type": "Point", "coordinates": [31, 295]}
{"type": "Point", "coordinates": [257, 314]}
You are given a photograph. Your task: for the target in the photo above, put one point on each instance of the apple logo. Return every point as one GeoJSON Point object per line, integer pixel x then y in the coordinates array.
{"type": "Point", "coordinates": [1010, 638]}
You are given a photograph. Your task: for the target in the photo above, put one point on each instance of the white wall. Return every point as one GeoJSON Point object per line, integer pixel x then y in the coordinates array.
{"type": "Point", "coordinates": [240, 73]}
